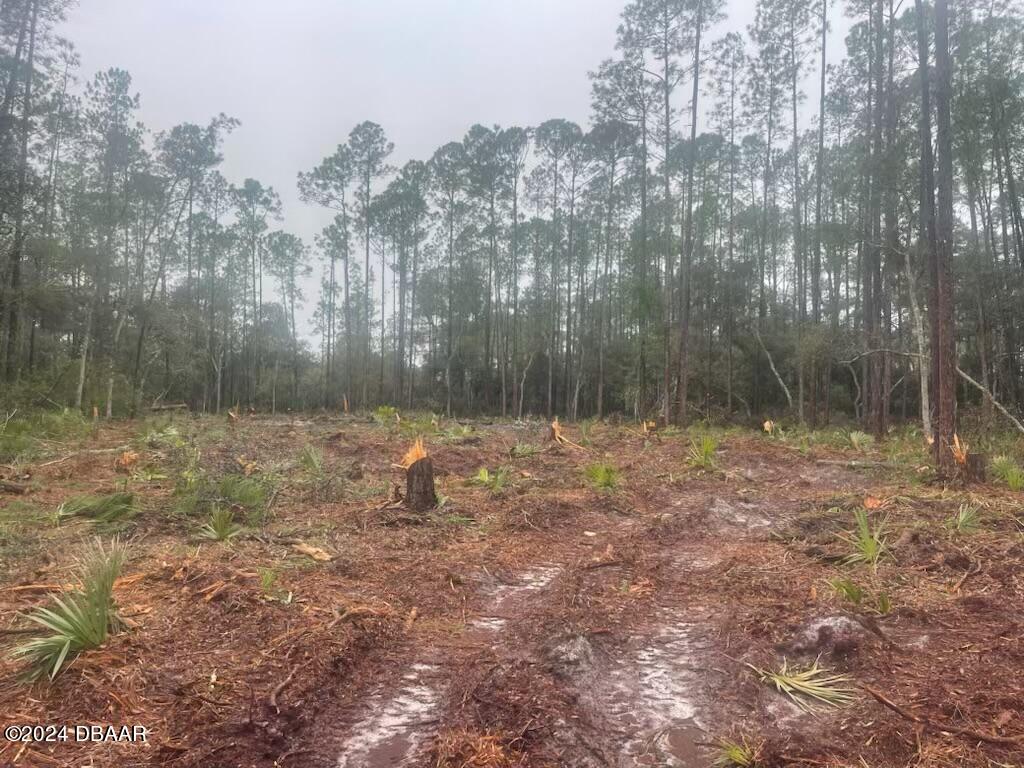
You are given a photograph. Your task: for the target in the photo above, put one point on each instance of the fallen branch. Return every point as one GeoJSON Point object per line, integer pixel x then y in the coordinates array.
{"type": "Point", "coordinates": [358, 612]}
{"type": "Point", "coordinates": [856, 463]}
{"type": "Point", "coordinates": [990, 738]}
{"type": "Point", "coordinates": [999, 406]}
{"type": "Point", "coordinates": [279, 688]}
{"type": "Point", "coordinates": [971, 571]}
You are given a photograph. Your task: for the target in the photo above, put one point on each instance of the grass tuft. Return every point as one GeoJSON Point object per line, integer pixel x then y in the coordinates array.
{"type": "Point", "coordinates": [848, 590]}
{"type": "Point", "coordinates": [523, 451]}
{"type": "Point", "coordinates": [80, 619]}
{"type": "Point", "coordinates": [385, 415]}
{"type": "Point", "coordinates": [24, 435]}
{"type": "Point", "coordinates": [311, 459]}
{"type": "Point", "coordinates": [737, 754]}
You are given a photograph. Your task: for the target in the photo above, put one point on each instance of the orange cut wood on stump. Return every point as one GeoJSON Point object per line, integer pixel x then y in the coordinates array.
{"type": "Point", "coordinates": [414, 454]}
{"type": "Point", "coordinates": [420, 494]}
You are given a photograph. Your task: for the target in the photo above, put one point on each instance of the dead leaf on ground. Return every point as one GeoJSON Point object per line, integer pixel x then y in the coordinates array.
{"type": "Point", "coordinates": [126, 461]}
{"type": "Point", "coordinates": [247, 465]}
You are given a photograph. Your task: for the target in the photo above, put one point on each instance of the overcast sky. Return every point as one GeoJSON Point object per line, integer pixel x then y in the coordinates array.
{"type": "Point", "coordinates": [299, 74]}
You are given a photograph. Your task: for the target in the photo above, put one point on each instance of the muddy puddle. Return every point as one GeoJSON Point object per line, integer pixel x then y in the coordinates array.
{"type": "Point", "coordinates": [508, 599]}
{"type": "Point", "coordinates": [395, 726]}
{"type": "Point", "coordinates": [649, 698]}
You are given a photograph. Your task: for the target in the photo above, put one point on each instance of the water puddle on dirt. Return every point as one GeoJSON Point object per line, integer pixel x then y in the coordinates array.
{"type": "Point", "coordinates": [650, 700]}
{"type": "Point", "coordinates": [507, 598]}
{"type": "Point", "coordinates": [395, 727]}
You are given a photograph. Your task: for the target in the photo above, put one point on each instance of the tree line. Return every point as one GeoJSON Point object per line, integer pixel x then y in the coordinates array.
{"type": "Point", "coordinates": [702, 248]}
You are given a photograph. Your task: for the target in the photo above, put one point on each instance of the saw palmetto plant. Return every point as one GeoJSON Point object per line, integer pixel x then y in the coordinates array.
{"type": "Point", "coordinates": [967, 519]}
{"type": "Point", "coordinates": [221, 526]}
{"type": "Point", "coordinates": [109, 508]}
{"type": "Point", "coordinates": [79, 619]}
{"type": "Point", "coordinates": [809, 685]}
{"type": "Point", "coordinates": [702, 452]}
{"type": "Point", "coordinates": [869, 542]}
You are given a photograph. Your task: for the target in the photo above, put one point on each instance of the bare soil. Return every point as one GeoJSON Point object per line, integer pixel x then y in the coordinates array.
{"type": "Point", "coordinates": [548, 623]}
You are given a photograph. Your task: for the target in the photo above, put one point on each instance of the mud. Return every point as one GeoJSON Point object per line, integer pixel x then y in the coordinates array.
{"type": "Point", "coordinates": [553, 624]}
{"type": "Point", "coordinates": [396, 726]}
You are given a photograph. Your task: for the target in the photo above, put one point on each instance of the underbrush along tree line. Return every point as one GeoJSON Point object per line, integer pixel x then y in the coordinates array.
{"type": "Point", "coordinates": [703, 248]}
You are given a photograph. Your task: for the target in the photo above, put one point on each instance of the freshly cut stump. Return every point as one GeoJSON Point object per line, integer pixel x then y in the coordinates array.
{"type": "Point", "coordinates": [419, 485]}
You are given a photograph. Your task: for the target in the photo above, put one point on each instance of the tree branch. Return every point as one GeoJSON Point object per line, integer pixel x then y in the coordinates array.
{"type": "Point", "coordinates": [771, 363]}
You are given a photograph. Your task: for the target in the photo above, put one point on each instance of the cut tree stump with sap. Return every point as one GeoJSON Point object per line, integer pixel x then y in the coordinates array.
{"type": "Point", "coordinates": [419, 485]}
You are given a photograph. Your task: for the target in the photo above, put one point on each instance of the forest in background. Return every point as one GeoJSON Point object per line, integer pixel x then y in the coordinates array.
{"type": "Point", "coordinates": [697, 251]}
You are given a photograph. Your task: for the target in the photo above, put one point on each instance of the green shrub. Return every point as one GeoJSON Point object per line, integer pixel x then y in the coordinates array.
{"type": "Point", "coordinates": [312, 461]}
{"type": "Point", "coordinates": [80, 619]}
{"type": "Point", "coordinates": [523, 451]}
{"type": "Point", "coordinates": [422, 424]}
{"type": "Point", "coordinates": [162, 437]}
{"type": "Point", "coordinates": [860, 441]}
{"type": "Point", "coordinates": [21, 434]}
{"type": "Point", "coordinates": [198, 495]}
{"type": "Point", "coordinates": [457, 433]}
{"type": "Point", "coordinates": [250, 493]}
{"type": "Point", "coordinates": [1009, 471]}
{"type": "Point", "coordinates": [737, 754]}
{"type": "Point", "coordinates": [385, 414]}
{"type": "Point", "coordinates": [602, 476]}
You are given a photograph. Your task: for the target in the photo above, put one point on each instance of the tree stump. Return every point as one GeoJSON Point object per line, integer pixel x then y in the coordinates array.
{"type": "Point", "coordinates": [976, 468]}
{"type": "Point", "coordinates": [419, 485]}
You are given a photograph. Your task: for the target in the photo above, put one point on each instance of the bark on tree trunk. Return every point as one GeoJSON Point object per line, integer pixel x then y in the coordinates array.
{"type": "Point", "coordinates": [419, 485]}
{"type": "Point", "coordinates": [946, 352]}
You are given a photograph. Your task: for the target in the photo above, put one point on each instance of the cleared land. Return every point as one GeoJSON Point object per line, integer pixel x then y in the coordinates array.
{"type": "Point", "coordinates": [615, 601]}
